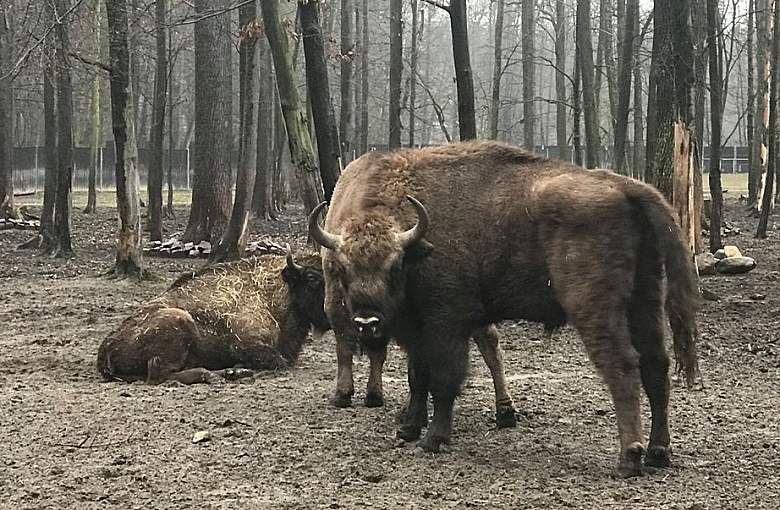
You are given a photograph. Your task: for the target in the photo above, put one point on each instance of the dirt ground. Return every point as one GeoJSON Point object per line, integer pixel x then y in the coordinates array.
{"type": "Point", "coordinates": [69, 440]}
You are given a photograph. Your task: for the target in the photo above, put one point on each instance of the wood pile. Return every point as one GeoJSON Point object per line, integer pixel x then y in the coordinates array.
{"type": "Point", "coordinates": [10, 224]}
{"type": "Point", "coordinates": [175, 248]}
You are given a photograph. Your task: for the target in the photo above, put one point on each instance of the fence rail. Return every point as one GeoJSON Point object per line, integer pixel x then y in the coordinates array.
{"type": "Point", "coordinates": [29, 163]}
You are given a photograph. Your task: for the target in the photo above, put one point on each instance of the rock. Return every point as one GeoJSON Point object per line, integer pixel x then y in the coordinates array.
{"type": "Point", "coordinates": [732, 251]}
{"type": "Point", "coordinates": [720, 254]}
{"type": "Point", "coordinates": [706, 263]}
{"type": "Point", "coordinates": [735, 265]}
{"type": "Point", "coordinates": [201, 436]}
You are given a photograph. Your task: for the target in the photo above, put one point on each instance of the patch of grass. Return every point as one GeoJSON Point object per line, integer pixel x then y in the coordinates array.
{"type": "Point", "coordinates": [735, 183]}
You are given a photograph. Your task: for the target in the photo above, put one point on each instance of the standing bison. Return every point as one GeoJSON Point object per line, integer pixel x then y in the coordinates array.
{"type": "Point", "coordinates": [505, 235]}
{"type": "Point", "coordinates": [254, 313]}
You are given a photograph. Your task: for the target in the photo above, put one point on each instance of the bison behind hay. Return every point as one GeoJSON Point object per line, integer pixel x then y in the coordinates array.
{"type": "Point", "coordinates": [253, 313]}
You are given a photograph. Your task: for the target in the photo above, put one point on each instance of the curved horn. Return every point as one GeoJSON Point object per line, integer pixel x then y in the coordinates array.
{"type": "Point", "coordinates": [291, 261]}
{"type": "Point", "coordinates": [417, 232]}
{"type": "Point", "coordinates": [326, 239]}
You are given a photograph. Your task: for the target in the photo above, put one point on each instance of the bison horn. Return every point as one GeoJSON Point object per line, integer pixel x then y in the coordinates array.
{"type": "Point", "coordinates": [416, 233]}
{"type": "Point", "coordinates": [326, 239]}
{"type": "Point", "coordinates": [291, 261]}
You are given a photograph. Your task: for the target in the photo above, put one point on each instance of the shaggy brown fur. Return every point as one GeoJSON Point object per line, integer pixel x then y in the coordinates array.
{"type": "Point", "coordinates": [511, 236]}
{"type": "Point", "coordinates": [253, 313]}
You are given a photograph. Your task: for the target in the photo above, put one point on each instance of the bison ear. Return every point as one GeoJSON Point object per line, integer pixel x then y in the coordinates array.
{"type": "Point", "coordinates": [419, 251]}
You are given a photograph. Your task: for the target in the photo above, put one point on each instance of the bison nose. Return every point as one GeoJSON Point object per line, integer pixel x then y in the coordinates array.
{"type": "Point", "coordinates": [368, 325]}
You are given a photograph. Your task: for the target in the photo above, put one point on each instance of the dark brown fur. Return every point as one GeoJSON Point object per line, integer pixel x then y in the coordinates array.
{"type": "Point", "coordinates": [253, 313]}
{"type": "Point", "coordinates": [513, 237]}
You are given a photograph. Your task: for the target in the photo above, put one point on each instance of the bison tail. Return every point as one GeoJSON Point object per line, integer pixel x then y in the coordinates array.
{"type": "Point", "coordinates": [682, 296]}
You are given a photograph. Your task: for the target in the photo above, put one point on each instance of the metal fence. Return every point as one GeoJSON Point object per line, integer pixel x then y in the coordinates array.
{"type": "Point", "coordinates": [29, 165]}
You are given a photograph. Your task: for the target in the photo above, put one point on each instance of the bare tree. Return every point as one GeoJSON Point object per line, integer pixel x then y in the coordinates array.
{"type": "Point", "coordinates": [529, 79]}
{"type": "Point", "coordinates": [347, 56]}
{"type": "Point", "coordinates": [365, 80]}
{"type": "Point", "coordinates": [262, 198]}
{"type": "Point", "coordinates": [95, 121]}
{"type": "Point", "coordinates": [560, 78]}
{"type": "Point", "coordinates": [498, 67]}
{"type": "Point", "coordinates": [233, 241]}
{"type": "Point", "coordinates": [7, 208]}
{"type": "Point", "coordinates": [318, 87]}
{"type": "Point", "coordinates": [716, 112]}
{"type": "Point", "coordinates": [767, 197]}
{"type": "Point", "coordinates": [396, 70]}
{"type": "Point", "coordinates": [155, 181]}
{"type": "Point", "coordinates": [585, 61]}
{"type": "Point", "coordinates": [298, 137]}
{"type": "Point", "coordinates": [414, 57]}
{"type": "Point", "coordinates": [129, 261]}
{"type": "Point", "coordinates": [763, 47]}
{"type": "Point", "coordinates": [624, 80]}
{"type": "Point", "coordinates": [211, 196]}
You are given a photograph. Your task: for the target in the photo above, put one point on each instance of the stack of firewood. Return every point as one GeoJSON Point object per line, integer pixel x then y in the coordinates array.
{"type": "Point", "coordinates": [175, 248]}
{"type": "Point", "coordinates": [10, 223]}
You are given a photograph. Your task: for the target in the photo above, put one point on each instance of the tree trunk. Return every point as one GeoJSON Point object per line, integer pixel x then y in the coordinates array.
{"type": "Point", "coordinates": [298, 137]}
{"type": "Point", "coordinates": [529, 81]}
{"type": "Point", "coordinates": [464, 76]}
{"type": "Point", "coordinates": [585, 59]}
{"type": "Point", "coordinates": [62, 204]}
{"type": "Point", "coordinates": [346, 117]}
{"type": "Point", "coordinates": [50, 136]}
{"type": "Point", "coordinates": [212, 154]}
{"type": "Point", "coordinates": [624, 97]}
{"type": "Point", "coordinates": [396, 71]}
{"type": "Point", "coordinates": [155, 181]}
{"type": "Point", "coordinates": [416, 29]}
{"type": "Point", "coordinates": [638, 159]}
{"type": "Point", "coordinates": [96, 125]}
{"type": "Point", "coordinates": [365, 74]}
{"type": "Point", "coordinates": [318, 88]}
{"type": "Point", "coordinates": [128, 251]}
{"type": "Point", "coordinates": [234, 240]}
{"type": "Point", "coordinates": [700, 17]}
{"type": "Point", "coordinates": [262, 197]}
{"type": "Point", "coordinates": [659, 125]}
{"type": "Point", "coordinates": [172, 121]}
{"type": "Point", "coordinates": [577, 113]}
{"type": "Point", "coordinates": [751, 97]}
{"type": "Point", "coordinates": [758, 170]}
{"type": "Point", "coordinates": [560, 79]}
{"type": "Point", "coordinates": [767, 197]}
{"type": "Point", "coordinates": [498, 67]}
{"type": "Point", "coordinates": [716, 111]}
{"type": "Point", "coordinates": [7, 208]}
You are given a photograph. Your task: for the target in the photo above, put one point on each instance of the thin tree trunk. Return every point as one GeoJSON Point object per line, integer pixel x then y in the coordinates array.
{"type": "Point", "coordinates": [560, 79]}
{"type": "Point", "coordinates": [262, 197]}
{"type": "Point", "coordinates": [155, 181]}
{"type": "Point", "coordinates": [346, 117]}
{"type": "Point", "coordinates": [50, 136]}
{"type": "Point", "coordinates": [716, 90]}
{"type": "Point", "coordinates": [7, 207]}
{"type": "Point", "coordinates": [298, 137]}
{"type": "Point", "coordinates": [318, 88]}
{"type": "Point", "coordinates": [638, 158]}
{"type": "Point", "coordinates": [212, 150]}
{"type": "Point", "coordinates": [172, 121]}
{"type": "Point", "coordinates": [365, 74]}
{"type": "Point", "coordinates": [700, 22]}
{"type": "Point", "coordinates": [464, 76]}
{"type": "Point", "coordinates": [63, 203]}
{"type": "Point", "coordinates": [413, 72]}
{"type": "Point", "coordinates": [760, 149]}
{"type": "Point", "coordinates": [498, 67]}
{"type": "Point", "coordinates": [129, 261]}
{"type": "Point", "coordinates": [585, 59]}
{"type": "Point", "coordinates": [624, 99]}
{"type": "Point", "coordinates": [396, 71]}
{"type": "Point", "coordinates": [577, 114]}
{"type": "Point", "coordinates": [767, 197]}
{"type": "Point", "coordinates": [752, 184]}
{"type": "Point", "coordinates": [233, 241]}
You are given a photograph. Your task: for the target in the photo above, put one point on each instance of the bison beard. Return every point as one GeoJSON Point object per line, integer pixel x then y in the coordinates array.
{"type": "Point", "coordinates": [505, 235]}
{"type": "Point", "coordinates": [252, 313]}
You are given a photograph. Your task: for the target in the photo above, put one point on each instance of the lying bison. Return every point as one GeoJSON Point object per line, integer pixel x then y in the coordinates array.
{"type": "Point", "coordinates": [506, 235]}
{"type": "Point", "coordinates": [254, 313]}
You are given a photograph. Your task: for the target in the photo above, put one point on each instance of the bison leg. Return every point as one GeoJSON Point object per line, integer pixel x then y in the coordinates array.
{"type": "Point", "coordinates": [447, 370]}
{"type": "Point", "coordinates": [647, 334]}
{"type": "Point", "coordinates": [609, 347]}
{"type": "Point", "coordinates": [374, 394]}
{"type": "Point", "coordinates": [415, 415]}
{"type": "Point", "coordinates": [345, 386]}
{"type": "Point", "coordinates": [487, 341]}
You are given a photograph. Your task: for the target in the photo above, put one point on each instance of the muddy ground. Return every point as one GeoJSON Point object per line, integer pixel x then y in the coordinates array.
{"type": "Point", "coordinates": [69, 440]}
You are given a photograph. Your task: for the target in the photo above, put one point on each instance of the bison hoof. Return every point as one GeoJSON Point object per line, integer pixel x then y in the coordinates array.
{"type": "Point", "coordinates": [506, 417]}
{"type": "Point", "coordinates": [409, 432]}
{"type": "Point", "coordinates": [374, 400]}
{"type": "Point", "coordinates": [341, 400]}
{"type": "Point", "coordinates": [432, 443]}
{"type": "Point", "coordinates": [631, 461]}
{"type": "Point", "coordinates": [658, 456]}
{"type": "Point", "coordinates": [234, 374]}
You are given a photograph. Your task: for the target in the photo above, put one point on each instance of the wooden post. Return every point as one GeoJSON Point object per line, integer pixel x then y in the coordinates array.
{"type": "Point", "coordinates": [687, 194]}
